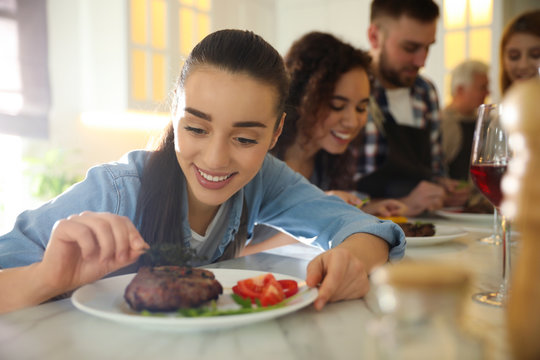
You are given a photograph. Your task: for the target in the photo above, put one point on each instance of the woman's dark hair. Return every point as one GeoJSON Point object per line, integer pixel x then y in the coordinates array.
{"type": "Point", "coordinates": [315, 63]}
{"type": "Point", "coordinates": [159, 205]}
{"type": "Point", "coordinates": [526, 23]}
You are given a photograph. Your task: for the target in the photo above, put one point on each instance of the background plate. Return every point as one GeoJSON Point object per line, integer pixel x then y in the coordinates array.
{"type": "Point", "coordinates": [443, 233]}
{"type": "Point", "coordinates": [457, 214]}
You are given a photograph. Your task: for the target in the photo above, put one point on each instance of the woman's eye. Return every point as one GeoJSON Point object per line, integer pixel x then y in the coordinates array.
{"type": "Point", "coordinates": [361, 109]}
{"type": "Point", "coordinates": [336, 107]}
{"type": "Point", "coordinates": [246, 141]}
{"type": "Point", "coordinates": [535, 54]}
{"type": "Point", "coordinates": [195, 130]}
{"type": "Point", "coordinates": [514, 55]}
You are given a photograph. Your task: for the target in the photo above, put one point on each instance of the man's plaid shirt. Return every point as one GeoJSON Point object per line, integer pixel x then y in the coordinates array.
{"type": "Point", "coordinates": [426, 114]}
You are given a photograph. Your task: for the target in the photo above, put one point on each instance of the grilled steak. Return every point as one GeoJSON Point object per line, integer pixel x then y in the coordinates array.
{"type": "Point", "coordinates": [168, 288]}
{"type": "Point", "coordinates": [414, 230]}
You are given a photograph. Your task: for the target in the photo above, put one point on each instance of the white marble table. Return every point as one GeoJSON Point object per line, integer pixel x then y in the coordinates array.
{"type": "Point", "coordinates": [57, 330]}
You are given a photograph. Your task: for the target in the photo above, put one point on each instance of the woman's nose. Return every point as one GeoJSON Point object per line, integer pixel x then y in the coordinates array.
{"type": "Point", "coordinates": [216, 154]}
{"type": "Point", "coordinates": [352, 119]}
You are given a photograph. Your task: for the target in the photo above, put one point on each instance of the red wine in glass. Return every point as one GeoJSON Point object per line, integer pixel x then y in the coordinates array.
{"type": "Point", "coordinates": [487, 178]}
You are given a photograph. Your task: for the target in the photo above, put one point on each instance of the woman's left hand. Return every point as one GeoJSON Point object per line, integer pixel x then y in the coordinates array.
{"type": "Point", "coordinates": [340, 276]}
{"type": "Point", "coordinates": [341, 273]}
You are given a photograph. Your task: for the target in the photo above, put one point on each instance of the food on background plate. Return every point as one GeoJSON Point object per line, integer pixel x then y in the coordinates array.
{"type": "Point", "coordinates": [168, 288]}
{"type": "Point", "coordinates": [417, 229]}
{"type": "Point", "coordinates": [478, 204]}
{"type": "Point", "coordinates": [396, 219]}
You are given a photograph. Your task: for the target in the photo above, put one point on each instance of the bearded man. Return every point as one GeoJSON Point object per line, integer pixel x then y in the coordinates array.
{"type": "Point", "coordinates": [401, 155]}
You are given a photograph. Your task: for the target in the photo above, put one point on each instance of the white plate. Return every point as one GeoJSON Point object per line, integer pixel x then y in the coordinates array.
{"type": "Point", "coordinates": [442, 234]}
{"type": "Point", "coordinates": [456, 214]}
{"type": "Point", "coordinates": [105, 299]}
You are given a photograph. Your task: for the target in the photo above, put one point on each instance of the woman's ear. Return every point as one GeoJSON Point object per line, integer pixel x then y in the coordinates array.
{"type": "Point", "coordinates": [278, 131]}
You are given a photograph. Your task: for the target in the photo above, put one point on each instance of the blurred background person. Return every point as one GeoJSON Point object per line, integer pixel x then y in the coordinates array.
{"type": "Point", "coordinates": [326, 110]}
{"type": "Point", "coordinates": [401, 153]}
{"type": "Point", "coordinates": [519, 50]}
{"type": "Point", "coordinates": [469, 86]}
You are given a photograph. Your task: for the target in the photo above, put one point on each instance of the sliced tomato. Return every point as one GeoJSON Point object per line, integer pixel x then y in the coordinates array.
{"type": "Point", "coordinates": [272, 294]}
{"type": "Point", "coordinates": [290, 287]}
{"type": "Point", "coordinates": [253, 287]}
{"type": "Point", "coordinates": [264, 287]}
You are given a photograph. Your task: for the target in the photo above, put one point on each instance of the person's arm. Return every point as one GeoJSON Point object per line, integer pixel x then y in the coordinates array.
{"type": "Point", "coordinates": [342, 272]}
{"type": "Point", "coordinates": [83, 248]}
{"type": "Point", "coordinates": [355, 242]}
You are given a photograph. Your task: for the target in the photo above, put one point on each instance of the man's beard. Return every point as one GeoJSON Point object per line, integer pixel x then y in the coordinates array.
{"type": "Point", "coordinates": [392, 76]}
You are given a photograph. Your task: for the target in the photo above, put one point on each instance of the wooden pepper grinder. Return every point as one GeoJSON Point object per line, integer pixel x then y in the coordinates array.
{"type": "Point", "coordinates": [521, 188]}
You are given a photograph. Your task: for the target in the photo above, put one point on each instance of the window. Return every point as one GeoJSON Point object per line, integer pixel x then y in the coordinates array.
{"type": "Point", "coordinates": [24, 88]}
{"type": "Point", "coordinates": [467, 35]}
{"type": "Point", "coordinates": [161, 34]}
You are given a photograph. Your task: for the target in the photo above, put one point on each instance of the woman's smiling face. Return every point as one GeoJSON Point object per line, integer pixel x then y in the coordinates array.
{"type": "Point", "coordinates": [347, 112]}
{"type": "Point", "coordinates": [224, 126]}
{"type": "Point", "coordinates": [522, 56]}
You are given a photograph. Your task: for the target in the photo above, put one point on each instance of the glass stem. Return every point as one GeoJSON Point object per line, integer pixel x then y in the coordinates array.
{"type": "Point", "coordinates": [496, 227]}
{"type": "Point", "coordinates": [506, 249]}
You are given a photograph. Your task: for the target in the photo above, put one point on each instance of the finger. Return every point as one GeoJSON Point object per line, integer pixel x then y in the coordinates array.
{"type": "Point", "coordinates": [128, 242]}
{"type": "Point", "coordinates": [384, 211]}
{"type": "Point", "coordinates": [314, 272]}
{"type": "Point", "coordinates": [137, 243]}
{"type": "Point", "coordinates": [121, 238]}
{"type": "Point", "coordinates": [71, 232]}
{"type": "Point", "coordinates": [101, 227]}
{"type": "Point", "coordinates": [333, 277]}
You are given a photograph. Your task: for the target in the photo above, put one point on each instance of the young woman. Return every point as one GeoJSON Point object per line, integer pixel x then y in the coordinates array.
{"type": "Point", "coordinates": [205, 186]}
{"type": "Point", "coordinates": [326, 110]}
{"type": "Point", "coordinates": [520, 49]}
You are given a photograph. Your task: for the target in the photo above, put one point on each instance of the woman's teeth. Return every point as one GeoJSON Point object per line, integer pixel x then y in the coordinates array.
{"type": "Point", "coordinates": [213, 178]}
{"type": "Point", "coordinates": [341, 135]}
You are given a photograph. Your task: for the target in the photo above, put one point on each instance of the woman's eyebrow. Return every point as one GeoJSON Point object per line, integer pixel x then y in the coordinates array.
{"type": "Point", "coordinates": [204, 116]}
{"type": "Point", "coordinates": [198, 113]}
{"type": "Point", "coordinates": [339, 97]}
{"type": "Point", "coordinates": [249, 124]}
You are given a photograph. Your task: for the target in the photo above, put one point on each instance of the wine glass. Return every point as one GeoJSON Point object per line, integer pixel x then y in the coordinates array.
{"type": "Point", "coordinates": [495, 237]}
{"type": "Point", "coordinates": [489, 159]}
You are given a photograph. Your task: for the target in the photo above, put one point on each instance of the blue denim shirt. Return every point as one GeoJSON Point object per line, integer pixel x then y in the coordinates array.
{"type": "Point", "coordinates": [276, 196]}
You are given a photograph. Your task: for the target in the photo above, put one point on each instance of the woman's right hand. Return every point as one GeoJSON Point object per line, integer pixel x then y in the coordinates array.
{"type": "Point", "coordinates": [425, 196]}
{"type": "Point", "coordinates": [83, 248]}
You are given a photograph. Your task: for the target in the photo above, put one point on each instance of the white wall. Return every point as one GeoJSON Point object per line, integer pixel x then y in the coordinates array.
{"type": "Point", "coordinates": [258, 16]}
{"type": "Point", "coordinates": [347, 19]}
